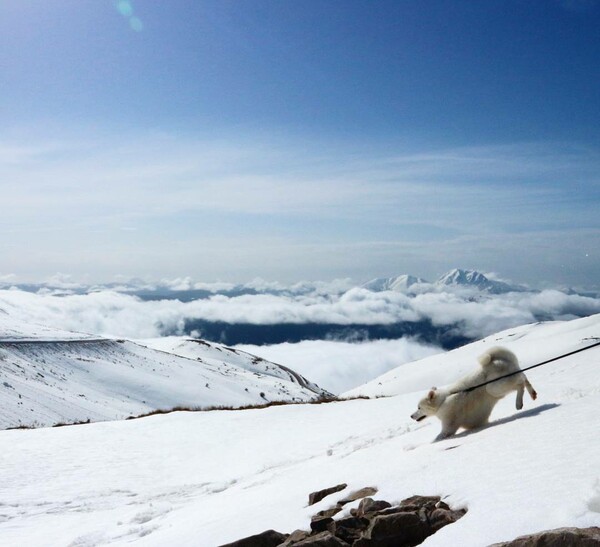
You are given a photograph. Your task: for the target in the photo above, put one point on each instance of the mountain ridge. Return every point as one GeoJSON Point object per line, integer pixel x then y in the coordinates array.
{"type": "Point", "coordinates": [50, 380]}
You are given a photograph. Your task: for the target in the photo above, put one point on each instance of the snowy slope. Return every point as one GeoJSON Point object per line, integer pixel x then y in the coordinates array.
{"type": "Point", "coordinates": [12, 329]}
{"type": "Point", "coordinates": [203, 479]}
{"type": "Point", "coordinates": [216, 354]}
{"type": "Point", "coordinates": [531, 343]}
{"type": "Point", "coordinates": [49, 377]}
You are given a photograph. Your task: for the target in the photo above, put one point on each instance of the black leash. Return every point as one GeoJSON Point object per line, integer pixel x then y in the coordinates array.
{"type": "Point", "coordinates": [467, 390]}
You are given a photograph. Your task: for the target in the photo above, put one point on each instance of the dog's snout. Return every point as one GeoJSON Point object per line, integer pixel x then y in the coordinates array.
{"type": "Point", "coordinates": [418, 416]}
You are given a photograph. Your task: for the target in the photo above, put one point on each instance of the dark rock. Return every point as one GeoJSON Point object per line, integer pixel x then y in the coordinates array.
{"type": "Point", "coordinates": [375, 523]}
{"type": "Point", "coordinates": [329, 512]}
{"type": "Point", "coordinates": [321, 524]}
{"type": "Point", "coordinates": [294, 537]}
{"type": "Point", "coordinates": [398, 509]}
{"type": "Point", "coordinates": [358, 494]}
{"type": "Point", "coordinates": [360, 523]}
{"type": "Point", "coordinates": [369, 505]}
{"type": "Point", "coordinates": [439, 518]}
{"type": "Point", "coordinates": [324, 539]}
{"type": "Point", "coordinates": [350, 528]}
{"type": "Point", "coordinates": [560, 537]}
{"type": "Point", "coordinates": [414, 503]}
{"type": "Point", "coordinates": [316, 497]}
{"type": "Point", "coordinates": [396, 530]}
{"type": "Point", "coordinates": [270, 538]}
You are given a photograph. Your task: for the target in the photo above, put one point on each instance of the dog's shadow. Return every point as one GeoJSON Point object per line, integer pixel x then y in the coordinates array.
{"type": "Point", "coordinates": [518, 416]}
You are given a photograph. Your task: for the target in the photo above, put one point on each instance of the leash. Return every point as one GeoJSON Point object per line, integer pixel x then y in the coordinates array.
{"type": "Point", "coordinates": [467, 390]}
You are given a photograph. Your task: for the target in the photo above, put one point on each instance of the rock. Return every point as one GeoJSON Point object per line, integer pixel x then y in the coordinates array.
{"type": "Point", "coordinates": [316, 497]}
{"type": "Point", "coordinates": [375, 523]}
{"type": "Point", "coordinates": [294, 537]}
{"type": "Point", "coordinates": [329, 512]}
{"type": "Point", "coordinates": [270, 538]}
{"type": "Point", "coordinates": [360, 523]}
{"type": "Point", "coordinates": [414, 503]}
{"type": "Point", "coordinates": [350, 528]}
{"type": "Point", "coordinates": [358, 494]}
{"type": "Point", "coordinates": [560, 537]}
{"type": "Point", "coordinates": [369, 505]}
{"type": "Point", "coordinates": [324, 539]}
{"type": "Point", "coordinates": [439, 518]}
{"type": "Point", "coordinates": [396, 530]}
{"type": "Point", "coordinates": [321, 524]}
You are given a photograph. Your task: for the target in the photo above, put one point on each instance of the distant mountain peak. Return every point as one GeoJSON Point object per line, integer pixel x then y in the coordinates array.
{"type": "Point", "coordinates": [399, 283]}
{"type": "Point", "coordinates": [476, 279]}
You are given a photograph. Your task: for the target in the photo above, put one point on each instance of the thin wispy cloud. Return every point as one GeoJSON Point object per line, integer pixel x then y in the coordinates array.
{"type": "Point", "coordinates": [196, 201]}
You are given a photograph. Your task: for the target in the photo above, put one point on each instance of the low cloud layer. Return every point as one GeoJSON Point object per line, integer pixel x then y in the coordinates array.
{"type": "Point", "coordinates": [471, 313]}
{"type": "Point", "coordinates": [341, 366]}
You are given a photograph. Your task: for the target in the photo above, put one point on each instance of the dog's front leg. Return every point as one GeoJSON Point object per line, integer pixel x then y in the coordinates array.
{"type": "Point", "coordinates": [447, 431]}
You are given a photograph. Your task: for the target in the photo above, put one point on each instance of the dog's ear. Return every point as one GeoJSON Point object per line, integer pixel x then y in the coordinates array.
{"type": "Point", "coordinates": [431, 394]}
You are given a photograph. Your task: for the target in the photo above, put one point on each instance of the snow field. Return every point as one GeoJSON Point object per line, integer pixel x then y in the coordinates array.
{"type": "Point", "coordinates": [207, 478]}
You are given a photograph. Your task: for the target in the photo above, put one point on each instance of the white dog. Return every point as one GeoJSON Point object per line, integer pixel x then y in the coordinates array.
{"type": "Point", "coordinates": [456, 408]}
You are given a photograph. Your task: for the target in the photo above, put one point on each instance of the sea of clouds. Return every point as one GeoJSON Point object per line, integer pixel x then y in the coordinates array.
{"type": "Point", "coordinates": [335, 365]}
{"type": "Point", "coordinates": [473, 313]}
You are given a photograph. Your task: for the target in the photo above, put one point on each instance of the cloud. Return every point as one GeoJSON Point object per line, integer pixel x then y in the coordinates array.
{"type": "Point", "coordinates": [471, 313]}
{"type": "Point", "coordinates": [341, 366]}
{"type": "Point", "coordinates": [241, 206]}
{"type": "Point", "coordinates": [8, 278]}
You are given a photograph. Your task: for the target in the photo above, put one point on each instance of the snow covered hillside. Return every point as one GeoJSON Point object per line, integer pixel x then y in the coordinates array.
{"type": "Point", "coordinates": [209, 352]}
{"type": "Point", "coordinates": [50, 376]}
{"type": "Point", "coordinates": [203, 479]}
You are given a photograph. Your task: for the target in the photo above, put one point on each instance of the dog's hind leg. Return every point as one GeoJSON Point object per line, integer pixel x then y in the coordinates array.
{"type": "Point", "coordinates": [532, 392]}
{"type": "Point", "coordinates": [520, 391]}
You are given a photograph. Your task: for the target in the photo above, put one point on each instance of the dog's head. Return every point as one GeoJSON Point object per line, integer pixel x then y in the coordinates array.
{"type": "Point", "coordinates": [428, 405]}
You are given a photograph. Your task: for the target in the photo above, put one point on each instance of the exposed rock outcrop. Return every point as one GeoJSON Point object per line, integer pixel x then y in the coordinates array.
{"type": "Point", "coordinates": [560, 537]}
{"type": "Point", "coordinates": [374, 523]}
{"type": "Point", "coordinates": [316, 497]}
{"type": "Point", "coordinates": [270, 538]}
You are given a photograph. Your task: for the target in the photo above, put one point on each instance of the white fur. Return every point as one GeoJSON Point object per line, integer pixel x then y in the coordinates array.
{"type": "Point", "coordinates": [473, 409]}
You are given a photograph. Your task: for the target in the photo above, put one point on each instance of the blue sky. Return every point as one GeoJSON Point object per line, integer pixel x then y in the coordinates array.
{"type": "Point", "coordinates": [300, 139]}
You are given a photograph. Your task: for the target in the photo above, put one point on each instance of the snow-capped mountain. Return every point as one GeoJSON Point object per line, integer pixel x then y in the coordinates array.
{"type": "Point", "coordinates": [400, 283]}
{"type": "Point", "coordinates": [472, 278]}
{"type": "Point", "coordinates": [209, 478]}
{"type": "Point", "coordinates": [453, 278]}
{"type": "Point", "coordinates": [51, 376]}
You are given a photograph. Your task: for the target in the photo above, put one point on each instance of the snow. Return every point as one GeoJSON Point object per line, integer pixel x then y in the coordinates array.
{"type": "Point", "coordinates": [207, 478]}
{"type": "Point", "coordinates": [210, 352]}
{"type": "Point", "coordinates": [63, 378]}
{"type": "Point", "coordinates": [476, 279]}
{"type": "Point", "coordinates": [13, 329]}
{"type": "Point", "coordinates": [400, 283]}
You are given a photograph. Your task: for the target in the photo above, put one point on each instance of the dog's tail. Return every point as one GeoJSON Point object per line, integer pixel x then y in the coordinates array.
{"type": "Point", "coordinates": [497, 352]}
